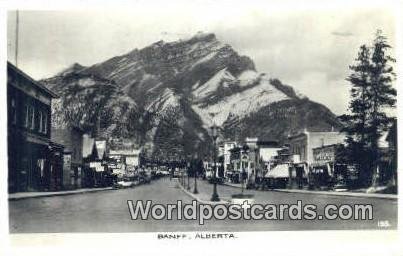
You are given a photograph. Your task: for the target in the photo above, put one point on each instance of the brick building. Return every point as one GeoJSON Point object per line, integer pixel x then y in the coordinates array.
{"type": "Point", "coordinates": [34, 161]}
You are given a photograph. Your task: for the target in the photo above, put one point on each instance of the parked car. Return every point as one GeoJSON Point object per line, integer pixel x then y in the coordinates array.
{"type": "Point", "coordinates": [340, 187]}
{"type": "Point", "coordinates": [124, 183]}
{"type": "Point", "coordinates": [165, 172]}
{"type": "Point", "coordinates": [162, 173]}
{"type": "Point", "coordinates": [177, 173]}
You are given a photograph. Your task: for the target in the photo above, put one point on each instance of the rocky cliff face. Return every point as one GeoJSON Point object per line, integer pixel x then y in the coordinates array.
{"type": "Point", "coordinates": [167, 95]}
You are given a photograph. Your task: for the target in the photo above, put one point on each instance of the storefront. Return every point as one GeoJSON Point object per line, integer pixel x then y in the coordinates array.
{"type": "Point", "coordinates": [278, 176]}
{"type": "Point", "coordinates": [321, 175]}
{"type": "Point", "coordinates": [298, 175]}
{"type": "Point", "coordinates": [39, 167]}
{"type": "Point", "coordinates": [328, 171]}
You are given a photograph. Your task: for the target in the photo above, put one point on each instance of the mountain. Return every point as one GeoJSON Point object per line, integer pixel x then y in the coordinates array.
{"type": "Point", "coordinates": [84, 97]}
{"type": "Point", "coordinates": [168, 94]}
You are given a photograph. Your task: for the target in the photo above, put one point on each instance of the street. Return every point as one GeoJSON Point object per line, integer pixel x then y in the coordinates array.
{"type": "Point", "coordinates": [107, 211]}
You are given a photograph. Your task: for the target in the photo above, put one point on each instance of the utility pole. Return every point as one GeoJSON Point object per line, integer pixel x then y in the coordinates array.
{"type": "Point", "coordinates": [17, 21]}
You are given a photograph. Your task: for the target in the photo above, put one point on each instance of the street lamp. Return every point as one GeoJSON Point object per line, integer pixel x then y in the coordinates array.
{"type": "Point", "coordinates": [196, 165]}
{"type": "Point", "coordinates": [244, 152]}
{"type": "Point", "coordinates": [182, 172]}
{"type": "Point", "coordinates": [214, 135]}
{"type": "Point", "coordinates": [188, 168]}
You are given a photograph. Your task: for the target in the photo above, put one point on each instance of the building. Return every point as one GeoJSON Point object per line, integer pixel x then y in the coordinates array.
{"type": "Point", "coordinates": [243, 161]}
{"type": "Point", "coordinates": [227, 146]}
{"type": "Point", "coordinates": [88, 144]}
{"type": "Point", "coordinates": [124, 160]}
{"type": "Point", "coordinates": [268, 150]}
{"type": "Point", "coordinates": [102, 150]}
{"type": "Point", "coordinates": [301, 152]}
{"type": "Point", "coordinates": [33, 160]}
{"type": "Point", "coordinates": [252, 158]}
{"type": "Point", "coordinates": [268, 153]}
{"type": "Point", "coordinates": [95, 162]}
{"type": "Point", "coordinates": [72, 139]}
{"type": "Point", "coordinates": [387, 163]}
{"type": "Point", "coordinates": [327, 169]}
{"type": "Point", "coordinates": [392, 153]}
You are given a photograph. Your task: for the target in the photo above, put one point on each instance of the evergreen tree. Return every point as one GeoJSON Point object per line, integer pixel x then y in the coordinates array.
{"type": "Point", "coordinates": [383, 95]}
{"type": "Point", "coordinates": [356, 123]}
{"type": "Point", "coordinates": [371, 95]}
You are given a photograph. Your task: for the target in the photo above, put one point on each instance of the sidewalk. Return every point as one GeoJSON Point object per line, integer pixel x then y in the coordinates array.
{"type": "Point", "coordinates": [204, 195]}
{"type": "Point", "coordinates": [332, 193]}
{"type": "Point", "coordinates": [25, 195]}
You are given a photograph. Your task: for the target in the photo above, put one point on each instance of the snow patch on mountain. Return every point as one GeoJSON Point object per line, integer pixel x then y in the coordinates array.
{"type": "Point", "coordinates": [240, 104]}
{"type": "Point", "coordinates": [204, 59]}
{"type": "Point", "coordinates": [168, 99]}
{"type": "Point", "coordinates": [196, 85]}
{"type": "Point", "coordinates": [126, 68]}
{"type": "Point", "coordinates": [86, 82]}
{"type": "Point", "coordinates": [247, 77]}
{"type": "Point", "coordinates": [222, 77]}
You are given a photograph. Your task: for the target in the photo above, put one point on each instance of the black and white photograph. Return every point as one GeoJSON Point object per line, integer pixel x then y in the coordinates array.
{"type": "Point", "coordinates": [216, 121]}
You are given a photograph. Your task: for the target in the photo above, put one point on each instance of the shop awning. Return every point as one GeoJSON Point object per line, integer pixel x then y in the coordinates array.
{"type": "Point", "coordinates": [280, 171]}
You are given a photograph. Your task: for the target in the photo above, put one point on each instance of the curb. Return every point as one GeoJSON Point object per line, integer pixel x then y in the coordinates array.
{"type": "Point", "coordinates": [201, 200]}
{"type": "Point", "coordinates": [361, 195]}
{"type": "Point", "coordinates": [58, 194]}
{"type": "Point", "coordinates": [230, 185]}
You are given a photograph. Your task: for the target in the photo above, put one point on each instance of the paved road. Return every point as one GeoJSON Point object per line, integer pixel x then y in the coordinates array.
{"type": "Point", "coordinates": [383, 209]}
{"type": "Point", "coordinates": [107, 211]}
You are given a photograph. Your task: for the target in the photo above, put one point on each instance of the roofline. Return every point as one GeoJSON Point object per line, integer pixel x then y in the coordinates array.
{"type": "Point", "coordinates": [52, 142]}
{"type": "Point", "coordinates": [70, 126]}
{"type": "Point", "coordinates": [328, 146]}
{"type": "Point", "coordinates": [36, 83]}
{"type": "Point", "coordinates": [309, 132]}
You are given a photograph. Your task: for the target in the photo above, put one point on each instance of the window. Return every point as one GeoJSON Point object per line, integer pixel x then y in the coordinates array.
{"type": "Point", "coordinates": [32, 117]}
{"type": "Point", "coordinates": [45, 123]}
{"type": "Point", "coordinates": [26, 121]}
{"type": "Point", "coordinates": [13, 114]}
{"type": "Point", "coordinates": [40, 121]}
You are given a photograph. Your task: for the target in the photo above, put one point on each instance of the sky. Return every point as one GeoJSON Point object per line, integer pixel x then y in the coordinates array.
{"type": "Point", "coordinates": [309, 48]}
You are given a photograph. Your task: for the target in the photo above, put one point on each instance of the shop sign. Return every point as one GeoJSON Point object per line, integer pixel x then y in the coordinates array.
{"type": "Point", "coordinates": [324, 155]}
{"type": "Point", "coordinates": [112, 166]}
{"type": "Point", "coordinates": [97, 166]}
